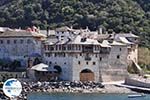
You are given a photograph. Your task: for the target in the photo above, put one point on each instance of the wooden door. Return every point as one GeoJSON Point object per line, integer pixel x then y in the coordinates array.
{"type": "Point", "coordinates": [87, 76]}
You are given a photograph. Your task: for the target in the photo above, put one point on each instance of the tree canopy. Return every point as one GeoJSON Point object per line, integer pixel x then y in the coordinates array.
{"type": "Point", "coordinates": [116, 15]}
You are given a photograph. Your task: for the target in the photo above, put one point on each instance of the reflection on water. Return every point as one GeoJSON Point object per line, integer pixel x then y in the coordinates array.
{"type": "Point", "coordinates": [77, 96]}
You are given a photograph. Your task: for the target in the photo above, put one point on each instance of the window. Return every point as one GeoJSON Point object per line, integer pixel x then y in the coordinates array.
{"type": "Point", "coordinates": [80, 54]}
{"type": "Point", "coordinates": [50, 63]}
{"type": "Point", "coordinates": [46, 54]}
{"type": "Point", "coordinates": [96, 55]}
{"type": "Point", "coordinates": [43, 73]}
{"type": "Point", "coordinates": [45, 47]}
{"type": "Point", "coordinates": [79, 47]}
{"type": "Point", "coordinates": [64, 55]}
{"type": "Point", "coordinates": [87, 48]}
{"type": "Point", "coordinates": [94, 63]}
{"type": "Point", "coordinates": [28, 41]}
{"type": "Point", "coordinates": [76, 55]}
{"type": "Point", "coordinates": [56, 47]}
{"type": "Point", "coordinates": [96, 47]}
{"type": "Point", "coordinates": [100, 58]}
{"type": "Point", "coordinates": [73, 47]}
{"type": "Point", "coordinates": [87, 63]}
{"type": "Point", "coordinates": [63, 47]}
{"type": "Point", "coordinates": [69, 47]}
{"type": "Point", "coordinates": [55, 55]}
{"type": "Point", "coordinates": [8, 41]}
{"type": "Point", "coordinates": [118, 56]}
{"type": "Point", "coordinates": [38, 72]}
{"type": "Point", "coordinates": [120, 49]}
{"type": "Point", "coordinates": [21, 41]}
{"type": "Point", "coordinates": [79, 62]}
{"type": "Point", "coordinates": [1, 41]}
{"type": "Point", "coordinates": [15, 41]}
{"type": "Point", "coordinates": [59, 47]}
{"type": "Point", "coordinates": [51, 48]}
{"type": "Point", "coordinates": [76, 47]}
{"type": "Point", "coordinates": [57, 37]}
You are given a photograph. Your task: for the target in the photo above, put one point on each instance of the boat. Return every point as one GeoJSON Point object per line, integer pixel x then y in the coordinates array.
{"type": "Point", "coordinates": [136, 95]}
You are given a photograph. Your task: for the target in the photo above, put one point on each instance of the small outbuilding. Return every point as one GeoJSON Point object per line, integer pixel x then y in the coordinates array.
{"type": "Point", "coordinates": [42, 72]}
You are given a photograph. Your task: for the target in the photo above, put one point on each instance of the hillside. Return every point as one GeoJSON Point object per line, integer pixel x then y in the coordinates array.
{"type": "Point", "coordinates": [112, 15]}
{"type": "Point", "coordinates": [3, 2]}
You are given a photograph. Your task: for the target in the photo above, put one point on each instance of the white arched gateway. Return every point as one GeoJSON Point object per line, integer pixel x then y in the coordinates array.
{"type": "Point", "coordinates": [86, 75]}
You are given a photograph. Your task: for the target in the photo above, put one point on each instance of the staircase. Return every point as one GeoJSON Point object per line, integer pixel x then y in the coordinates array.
{"type": "Point", "coordinates": [138, 68]}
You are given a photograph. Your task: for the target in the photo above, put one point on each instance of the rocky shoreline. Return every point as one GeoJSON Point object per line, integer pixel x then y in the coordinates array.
{"type": "Point", "coordinates": [69, 87]}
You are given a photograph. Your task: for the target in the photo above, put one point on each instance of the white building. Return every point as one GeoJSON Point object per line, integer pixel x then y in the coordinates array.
{"type": "Point", "coordinates": [39, 71]}
{"type": "Point", "coordinates": [132, 43]}
{"type": "Point", "coordinates": [81, 56]}
{"type": "Point", "coordinates": [16, 44]}
{"type": "Point", "coordinates": [77, 55]}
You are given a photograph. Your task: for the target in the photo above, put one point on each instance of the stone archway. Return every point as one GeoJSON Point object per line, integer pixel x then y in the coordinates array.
{"type": "Point", "coordinates": [58, 68]}
{"type": "Point", "coordinates": [86, 75]}
{"type": "Point", "coordinates": [59, 71]}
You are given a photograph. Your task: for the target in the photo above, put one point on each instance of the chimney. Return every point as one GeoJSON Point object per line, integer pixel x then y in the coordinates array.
{"type": "Point", "coordinates": [38, 29]}
{"type": "Point", "coordinates": [113, 32]}
{"type": "Point", "coordinates": [47, 30]}
{"type": "Point", "coordinates": [130, 32]}
{"type": "Point", "coordinates": [34, 29]}
{"type": "Point", "coordinates": [87, 28]}
{"type": "Point", "coordinates": [19, 28]}
{"type": "Point", "coordinates": [71, 27]}
{"type": "Point", "coordinates": [100, 31]}
{"type": "Point", "coordinates": [106, 32]}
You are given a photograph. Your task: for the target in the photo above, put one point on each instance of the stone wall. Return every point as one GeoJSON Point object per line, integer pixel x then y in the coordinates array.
{"type": "Point", "coordinates": [64, 62]}
{"type": "Point", "coordinates": [86, 64]}
{"type": "Point", "coordinates": [28, 46]}
{"type": "Point", "coordinates": [114, 68]}
{"type": "Point", "coordinates": [20, 50]}
{"type": "Point", "coordinates": [6, 75]}
{"type": "Point", "coordinates": [108, 65]}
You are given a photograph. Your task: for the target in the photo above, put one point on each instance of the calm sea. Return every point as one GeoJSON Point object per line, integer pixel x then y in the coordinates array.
{"type": "Point", "coordinates": [70, 96]}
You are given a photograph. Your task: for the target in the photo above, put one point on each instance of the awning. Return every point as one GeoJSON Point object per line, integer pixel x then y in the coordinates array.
{"type": "Point", "coordinates": [43, 67]}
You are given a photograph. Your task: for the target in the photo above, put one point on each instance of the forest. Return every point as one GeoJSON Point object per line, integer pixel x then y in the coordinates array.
{"type": "Point", "coordinates": [111, 15]}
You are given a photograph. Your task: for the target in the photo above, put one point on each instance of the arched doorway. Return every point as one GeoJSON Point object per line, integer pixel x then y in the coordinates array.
{"type": "Point", "coordinates": [58, 68]}
{"type": "Point", "coordinates": [59, 71]}
{"type": "Point", "coordinates": [86, 75]}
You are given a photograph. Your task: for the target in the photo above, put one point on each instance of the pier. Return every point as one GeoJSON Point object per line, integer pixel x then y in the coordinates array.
{"type": "Point", "coordinates": [135, 88]}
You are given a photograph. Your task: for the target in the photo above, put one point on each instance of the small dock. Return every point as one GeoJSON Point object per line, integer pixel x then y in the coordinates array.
{"type": "Point", "coordinates": [135, 88]}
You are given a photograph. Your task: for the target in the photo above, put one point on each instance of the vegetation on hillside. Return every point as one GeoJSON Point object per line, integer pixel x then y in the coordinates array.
{"type": "Point", "coordinates": [112, 15]}
{"type": "Point", "coordinates": [144, 59]}
{"type": "Point", "coordinates": [144, 56]}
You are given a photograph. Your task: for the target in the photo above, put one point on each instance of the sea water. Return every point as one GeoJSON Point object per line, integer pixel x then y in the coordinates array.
{"type": "Point", "coordinates": [82, 96]}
